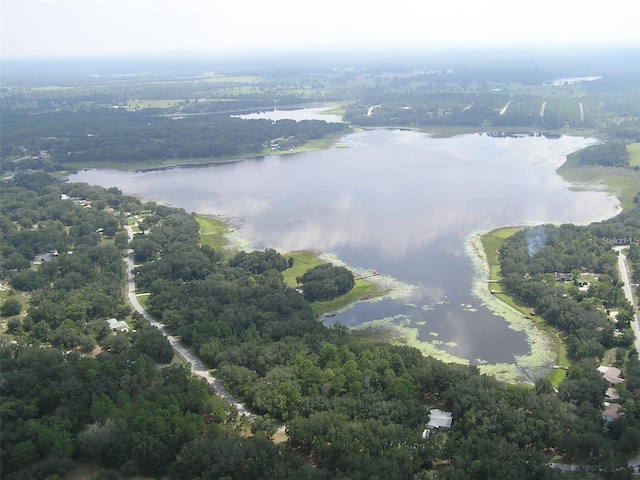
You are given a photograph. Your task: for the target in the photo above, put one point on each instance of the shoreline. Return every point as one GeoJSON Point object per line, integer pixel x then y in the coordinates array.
{"type": "Point", "coordinates": [545, 339]}
{"type": "Point", "coordinates": [524, 368]}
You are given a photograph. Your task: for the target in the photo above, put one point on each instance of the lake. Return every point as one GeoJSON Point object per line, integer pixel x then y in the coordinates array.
{"type": "Point", "coordinates": [311, 113]}
{"type": "Point", "coordinates": [405, 205]}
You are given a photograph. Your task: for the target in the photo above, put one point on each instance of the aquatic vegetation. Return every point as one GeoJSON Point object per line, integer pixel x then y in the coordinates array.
{"type": "Point", "coordinates": [393, 287]}
{"type": "Point", "coordinates": [540, 358]}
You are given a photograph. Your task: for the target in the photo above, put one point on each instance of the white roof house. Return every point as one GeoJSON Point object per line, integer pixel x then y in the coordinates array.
{"type": "Point", "coordinates": [439, 419]}
{"type": "Point", "coordinates": [117, 326]}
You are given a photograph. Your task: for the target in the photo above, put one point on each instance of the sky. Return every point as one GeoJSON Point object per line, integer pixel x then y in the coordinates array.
{"type": "Point", "coordinates": [94, 28]}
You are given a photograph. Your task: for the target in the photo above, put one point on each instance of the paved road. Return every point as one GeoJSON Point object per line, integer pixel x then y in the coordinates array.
{"type": "Point", "coordinates": [197, 367]}
{"type": "Point", "coordinates": [624, 274]}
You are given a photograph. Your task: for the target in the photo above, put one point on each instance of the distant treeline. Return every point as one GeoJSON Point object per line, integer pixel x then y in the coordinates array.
{"type": "Point", "coordinates": [116, 135]}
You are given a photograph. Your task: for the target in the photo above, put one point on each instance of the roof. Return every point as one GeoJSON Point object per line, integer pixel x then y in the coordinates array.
{"type": "Point", "coordinates": [611, 411]}
{"type": "Point", "coordinates": [612, 394]}
{"type": "Point", "coordinates": [439, 419]}
{"type": "Point", "coordinates": [611, 374]}
{"type": "Point", "coordinates": [116, 325]}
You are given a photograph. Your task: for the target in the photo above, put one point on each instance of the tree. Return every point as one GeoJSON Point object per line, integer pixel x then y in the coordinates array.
{"type": "Point", "coordinates": [326, 281]}
{"type": "Point", "coordinates": [11, 307]}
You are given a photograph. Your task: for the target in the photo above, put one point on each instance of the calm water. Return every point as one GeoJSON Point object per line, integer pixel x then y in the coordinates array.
{"type": "Point", "coordinates": [397, 202]}
{"type": "Point", "coordinates": [314, 113]}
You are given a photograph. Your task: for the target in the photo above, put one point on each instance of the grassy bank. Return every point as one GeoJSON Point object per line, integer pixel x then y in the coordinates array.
{"type": "Point", "coordinates": [491, 243]}
{"type": "Point", "coordinates": [303, 261]}
{"type": "Point", "coordinates": [621, 182]}
{"type": "Point", "coordinates": [212, 231]}
{"type": "Point", "coordinates": [362, 290]}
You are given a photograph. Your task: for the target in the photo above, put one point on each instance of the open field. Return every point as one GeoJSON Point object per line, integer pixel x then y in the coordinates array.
{"type": "Point", "coordinates": [634, 154]}
{"type": "Point", "coordinates": [212, 231]}
{"type": "Point", "coordinates": [302, 261]}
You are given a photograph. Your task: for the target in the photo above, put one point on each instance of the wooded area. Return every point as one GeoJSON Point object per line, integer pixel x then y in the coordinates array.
{"type": "Point", "coordinates": [84, 379]}
{"type": "Point", "coordinates": [87, 119]}
{"type": "Point", "coordinates": [353, 407]}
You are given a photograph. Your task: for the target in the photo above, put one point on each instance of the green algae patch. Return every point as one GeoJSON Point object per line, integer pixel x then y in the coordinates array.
{"type": "Point", "coordinates": [541, 356]}
{"type": "Point", "coordinates": [397, 330]}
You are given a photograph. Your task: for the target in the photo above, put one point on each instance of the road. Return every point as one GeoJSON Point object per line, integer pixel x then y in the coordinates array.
{"type": "Point", "coordinates": [624, 274]}
{"type": "Point", "coordinates": [197, 367]}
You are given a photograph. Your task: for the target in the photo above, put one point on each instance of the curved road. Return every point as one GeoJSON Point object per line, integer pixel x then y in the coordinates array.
{"type": "Point", "coordinates": [197, 367]}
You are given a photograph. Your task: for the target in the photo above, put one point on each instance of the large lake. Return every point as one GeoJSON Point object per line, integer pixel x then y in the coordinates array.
{"type": "Point", "coordinates": [409, 207]}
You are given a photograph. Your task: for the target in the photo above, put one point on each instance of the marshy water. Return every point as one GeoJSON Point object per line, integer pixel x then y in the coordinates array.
{"type": "Point", "coordinates": [409, 207]}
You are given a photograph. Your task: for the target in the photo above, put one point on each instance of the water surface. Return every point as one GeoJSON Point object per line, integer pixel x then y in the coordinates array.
{"type": "Point", "coordinates": [405, 205]}
{"type": "Point", "coordinates": [311, 113]}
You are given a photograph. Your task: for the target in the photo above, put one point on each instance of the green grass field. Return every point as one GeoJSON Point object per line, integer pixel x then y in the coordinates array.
{"type": "Point", "coordinates": [621, 182]}
{"type": "Point", "coordinates": [212, 231]}
{"type": "Point", "coordinates": [634, 154]}
{"type": "Point", "coordinates": [362, 290]}
{"type": "Point", "coordinates": [302, 261]}
{"type": "Point", "coordinates": [492, 242]}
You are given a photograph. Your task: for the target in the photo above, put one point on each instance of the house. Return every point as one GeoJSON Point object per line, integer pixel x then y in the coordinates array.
{"type": "Point", "coordinates": [439, 419]}
{"type": "Point", "coordinates": [117, 326]}
{"type": "Point", "coordinates": [563, 277]}
{"type": "Point", "coordinates": [611, 411]}
{"type": "Point", "coordinates": [45, 257]}
{"type": "Point", "coordinates": [612, 394]}
{"type": "Point", "coordinates": [611, 374]}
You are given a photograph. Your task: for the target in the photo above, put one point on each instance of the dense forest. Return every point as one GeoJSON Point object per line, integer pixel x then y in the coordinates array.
{"type": "Point", "coordinates": [352, 407]}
